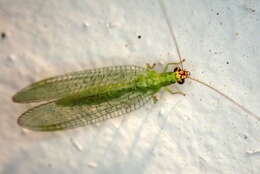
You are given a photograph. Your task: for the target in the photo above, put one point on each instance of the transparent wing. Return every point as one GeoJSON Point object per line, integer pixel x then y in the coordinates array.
{"type": "Point", "coordinates": [52, 117]}
{"type": "Point", "coordinates": [75, 82]}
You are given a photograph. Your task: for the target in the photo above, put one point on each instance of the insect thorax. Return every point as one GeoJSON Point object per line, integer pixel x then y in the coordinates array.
{"type": "Point", "coordinates": [155, 80]}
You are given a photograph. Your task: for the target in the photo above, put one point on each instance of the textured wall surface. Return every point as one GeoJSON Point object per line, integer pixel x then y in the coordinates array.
{"type": "Point", "coordinates": [199, 133]}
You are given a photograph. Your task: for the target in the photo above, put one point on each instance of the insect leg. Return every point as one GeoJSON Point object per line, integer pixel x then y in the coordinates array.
{"type": "Point", "coordinates": [165, 69]}
{"type": "Point", "coordinates": [150, 67]}
{"type": "Point", "coordinates": [174, 92]}
{"type": "Point", "coordinates": [155, 99]}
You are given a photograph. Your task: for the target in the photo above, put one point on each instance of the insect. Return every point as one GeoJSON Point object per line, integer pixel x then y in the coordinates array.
{"type": "Point", "coordinates": [80, 98]}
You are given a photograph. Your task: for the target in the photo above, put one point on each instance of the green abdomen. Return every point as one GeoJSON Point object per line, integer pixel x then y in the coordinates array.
{"type": "Point", "coordinates": [100, 95]}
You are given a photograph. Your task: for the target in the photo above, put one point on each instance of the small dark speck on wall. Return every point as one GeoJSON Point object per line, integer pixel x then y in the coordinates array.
{"type": "Point", "coordinates": [227, 62]}
{"type": "Point", "coordinates": [3, 35]}
{"type": "Point", "coordinates": [139, 36]}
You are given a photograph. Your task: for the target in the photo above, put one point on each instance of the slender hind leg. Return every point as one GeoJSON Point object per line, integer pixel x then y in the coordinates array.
{"type": "Point", "coordinates": [174, 92]}
{"type": "Point", "coordinates": [165, 69]}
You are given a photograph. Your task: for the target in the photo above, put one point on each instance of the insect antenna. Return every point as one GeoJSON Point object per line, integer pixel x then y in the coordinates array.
{"type": "Point", "coordinates": [196, 80]}
{"type": "Point", "coordinates": [227, 97]}
{"type": "Point", "coordinates": [171, 31]}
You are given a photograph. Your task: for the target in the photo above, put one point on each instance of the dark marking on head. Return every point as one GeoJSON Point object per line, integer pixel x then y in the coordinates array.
{"type": "Point", "coordinates": [176, 69]}
{"type": "Point", "coordinates": [181, 81]}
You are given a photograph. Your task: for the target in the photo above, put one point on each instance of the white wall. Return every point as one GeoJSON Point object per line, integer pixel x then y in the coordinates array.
{"type": "Point", "coordinates": [199, 133]}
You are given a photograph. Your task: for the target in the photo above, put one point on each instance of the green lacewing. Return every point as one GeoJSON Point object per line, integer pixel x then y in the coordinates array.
{"type": "Point", "coordinates": [80, 98]}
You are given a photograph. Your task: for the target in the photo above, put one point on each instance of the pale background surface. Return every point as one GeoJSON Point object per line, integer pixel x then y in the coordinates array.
{"type": "Point", "coordinates": [199, 133]}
